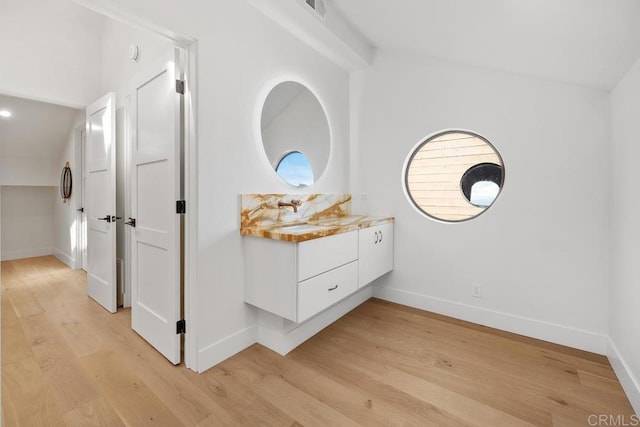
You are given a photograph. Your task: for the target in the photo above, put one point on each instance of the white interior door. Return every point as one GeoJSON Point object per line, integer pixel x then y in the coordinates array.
{"type": "Point", "coordinates": [101, 201]}
{"type": "Point", "coordinates": [155, 187]}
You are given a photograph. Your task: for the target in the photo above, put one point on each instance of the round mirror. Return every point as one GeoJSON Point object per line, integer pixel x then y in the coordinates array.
{"type": "Point", "coordinates": [453, 176]}
{"type": "Point", "coordinates": [295, 134]}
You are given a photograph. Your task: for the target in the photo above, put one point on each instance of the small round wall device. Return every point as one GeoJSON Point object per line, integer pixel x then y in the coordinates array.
{"type": "Point", "coordinates": [134, 52]}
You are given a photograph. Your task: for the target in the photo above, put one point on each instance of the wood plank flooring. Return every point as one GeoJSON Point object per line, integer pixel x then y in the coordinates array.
{"type": "Point", "coordinates": [68, 362]}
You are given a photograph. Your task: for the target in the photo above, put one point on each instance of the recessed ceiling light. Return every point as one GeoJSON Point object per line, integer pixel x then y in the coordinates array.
{"type": "Point", "coordinates": [5, 113]}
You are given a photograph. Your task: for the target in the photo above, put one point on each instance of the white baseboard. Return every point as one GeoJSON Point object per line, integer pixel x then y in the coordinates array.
{"type": "Point", "coordinates": [215, 353]}
{"type": "Point", "coordinates": [25, 253]}
{"type": "Point", "coordinates": [630, 383]}
{"type": "Point", "coordinates": [284, 340]}
{"type": "Point", "coordinates": [547, 331]}
{"type": "Point", "coordinates": [71, 262]}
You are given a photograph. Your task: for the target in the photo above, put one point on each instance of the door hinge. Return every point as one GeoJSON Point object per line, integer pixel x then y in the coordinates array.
{"type": "Point", "coordinates": [181, 207]}
{"type": "Point", "coordinates": [180, 87]}
{"type": "Point", "coordinates": [181, 327]}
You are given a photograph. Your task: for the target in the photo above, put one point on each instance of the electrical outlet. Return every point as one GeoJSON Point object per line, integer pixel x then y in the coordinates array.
{"type": "Point", "coordinates": [476, 290]}
{"type": "Point", "coordinates": [364, 196]}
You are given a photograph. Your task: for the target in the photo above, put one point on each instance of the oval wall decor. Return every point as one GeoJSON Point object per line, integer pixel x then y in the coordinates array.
{"type": "Point", "coordinates": [66, 183]}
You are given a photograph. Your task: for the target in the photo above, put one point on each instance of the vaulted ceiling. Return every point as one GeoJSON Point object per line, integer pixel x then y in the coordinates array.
{"type": "Point", "coordinates": [586, 42]}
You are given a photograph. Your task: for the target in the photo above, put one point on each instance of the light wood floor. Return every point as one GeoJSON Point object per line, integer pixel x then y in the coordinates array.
{"type": "Point", "coordinates": [66, 361]}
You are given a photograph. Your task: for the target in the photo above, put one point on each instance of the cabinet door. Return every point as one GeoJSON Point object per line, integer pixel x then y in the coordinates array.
{"type": "Point", "coordinates": [375, 253]}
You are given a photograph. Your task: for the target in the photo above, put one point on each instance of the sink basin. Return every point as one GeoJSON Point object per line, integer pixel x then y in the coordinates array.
{"type": "Point", "coordinates": [300, 228]}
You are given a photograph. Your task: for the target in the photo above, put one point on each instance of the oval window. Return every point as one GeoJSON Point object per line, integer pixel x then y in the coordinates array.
{"type": "Point", "coordinates": [294, 169]}
{"type": "Point", "coordinates": [453, 176]}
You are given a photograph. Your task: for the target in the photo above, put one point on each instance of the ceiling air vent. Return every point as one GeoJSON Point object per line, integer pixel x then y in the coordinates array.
{"type": "Point", "coordinates": [319, 7]}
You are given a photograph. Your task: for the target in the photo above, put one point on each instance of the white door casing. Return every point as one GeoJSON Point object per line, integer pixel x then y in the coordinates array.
{"type": "Point", "coordinates": [155, 186]}
{"type": "Point", "coordinates": [79, 185]}
{"type": "Point", "coordinates": [100, 206]}
{"type": "Point", "coordinates": [83, 198]}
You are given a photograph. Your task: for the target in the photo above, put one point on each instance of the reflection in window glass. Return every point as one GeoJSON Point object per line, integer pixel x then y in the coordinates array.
{"type": "Point", "coordinates": [295, 169]}
{"type": "Point", "coordinates": [484, 174]}
{"type": "Point", "coordinates": [483, 193]}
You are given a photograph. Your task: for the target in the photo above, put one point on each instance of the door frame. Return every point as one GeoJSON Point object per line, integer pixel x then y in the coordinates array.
{"type": "Point", "coordinates": [81, 238]}
{"type": "Point", "coordinates": [189, 45]}
{"type": "Point", "coordinates": [190, 175]}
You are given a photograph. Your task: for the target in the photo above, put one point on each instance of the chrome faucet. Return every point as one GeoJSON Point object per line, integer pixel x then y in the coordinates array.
{"type": "Point", "coordinates": [294, 204]}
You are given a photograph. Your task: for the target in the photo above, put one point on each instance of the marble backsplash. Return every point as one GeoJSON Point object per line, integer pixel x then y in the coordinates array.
{"type": "Point", "coordinates": [261, 210]}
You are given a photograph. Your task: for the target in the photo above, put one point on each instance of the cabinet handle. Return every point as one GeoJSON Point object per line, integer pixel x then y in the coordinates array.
{"type": "Point", "coordinates": [377, 238]}
{"type": "Point", "coordinates": [380, 237]}
{"type": "Point", "coordinates": [334, 288]}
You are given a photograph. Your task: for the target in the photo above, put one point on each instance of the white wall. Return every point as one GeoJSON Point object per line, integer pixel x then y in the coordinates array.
{"type": "Point", "coordinates": [241, 53]}
{"type": "Point", "coordinates": [29, 170]}
{"type": "Point", "coordinates": [50, 51]}
{"type": "Point", "coordinates": [117, 69]}
{"type": "Point", "coordinates": [625, 229]}
{"type": "Point", "coordinates": [28, 184]}
{"type": "Point", "coordinates": [65, 215]}
{"type": "Point", "coordinates": [33, 217]}
{"type": "Point", "coordinates": [27, 221]}
{"type": "Point", "coordinates": [231, 80]}
{"type": "Point", "coordinates": [540, 252]}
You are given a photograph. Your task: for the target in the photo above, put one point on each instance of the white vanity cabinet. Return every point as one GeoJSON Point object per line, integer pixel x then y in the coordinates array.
{"type": "Point", "coordinates": [375, 256]}
{"type": "Point", "coordinates": [298, 280]}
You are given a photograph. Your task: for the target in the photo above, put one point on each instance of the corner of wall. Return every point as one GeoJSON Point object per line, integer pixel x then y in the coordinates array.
{"type": "Point", "coordinates": [217, 352]}
{"type": "Point", "coordinates": [624, 101]}
{"type": "Point", "coordinates": [630, 383]}
{"type": "Point", "coordinates": [71, 262]}
{"type": "Point", "coordinates": [26, 253]}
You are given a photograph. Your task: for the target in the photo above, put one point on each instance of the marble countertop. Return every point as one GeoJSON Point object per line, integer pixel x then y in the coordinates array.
{"type": "Point", "coordinates": [314, 229]}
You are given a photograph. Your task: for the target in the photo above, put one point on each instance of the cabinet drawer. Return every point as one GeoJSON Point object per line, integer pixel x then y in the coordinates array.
{"type": "Point", "coordinates": [320, 292]}
{"type": "Point", "coordinates": [320, 255]}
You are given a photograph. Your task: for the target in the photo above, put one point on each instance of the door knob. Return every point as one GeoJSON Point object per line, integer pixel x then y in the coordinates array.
{"type": "Point", "coordinates": [106, 218]}
{"type": "Point", "coordinates": [81, 210]}
{"type": "Point", "coordinates": [131, 222]}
